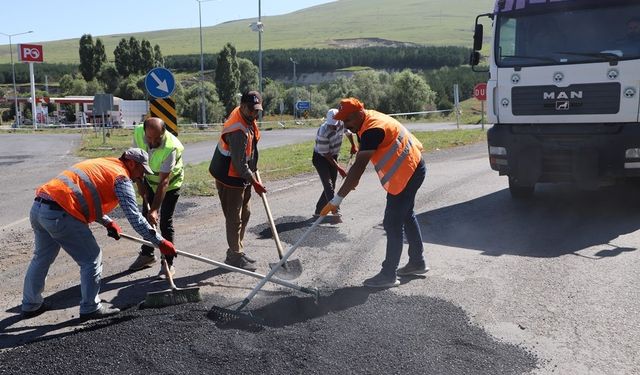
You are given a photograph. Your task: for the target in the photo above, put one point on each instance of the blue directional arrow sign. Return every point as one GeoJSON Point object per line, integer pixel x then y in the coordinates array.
{"type": "Point", "coordinates": [303, 105]}
{"type": "Point", "coordinates": [160, 83]}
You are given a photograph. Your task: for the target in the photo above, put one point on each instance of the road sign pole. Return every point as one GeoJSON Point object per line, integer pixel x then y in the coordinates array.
{"type": "Point", "coordinates": [34, 114]}
{"type": "Point", "coordinates": [482, 109]}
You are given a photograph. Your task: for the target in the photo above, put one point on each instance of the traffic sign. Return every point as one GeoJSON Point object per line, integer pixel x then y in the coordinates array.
{"type": "Point", "coordinates": [30, 53]}
{"type": "Point", "coordinates": [480, 91]}
{"type": "Point", "coordinates": [165, 109]}
{"type": "Point", "coordinates": [160, 83]}
{"type": "Point", "coordinates": [303, 105]}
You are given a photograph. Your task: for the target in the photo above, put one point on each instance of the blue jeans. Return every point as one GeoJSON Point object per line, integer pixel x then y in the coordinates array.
{"type": "Point", "coordinates": [400, 219]}
{"type": "Point", "coordinates": [53, 229]}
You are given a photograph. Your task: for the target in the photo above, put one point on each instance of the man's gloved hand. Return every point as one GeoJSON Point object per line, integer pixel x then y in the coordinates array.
{"type": "Point", "coordinates": [354, 149]}
{"type": "Point", "coordinates": [166, 248]}
{"type": "Point", "coordinates": [259, 188]}
{"type": "Point", "coordinates": [342, 172]}
{"type": "Point", "coordinates": [113, 230]}
{"type": "Point", "coordinates": [332, 206]}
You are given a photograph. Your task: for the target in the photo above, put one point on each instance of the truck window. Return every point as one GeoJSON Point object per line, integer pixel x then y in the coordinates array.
{"type": "Point", "coordinates": [576, 35]}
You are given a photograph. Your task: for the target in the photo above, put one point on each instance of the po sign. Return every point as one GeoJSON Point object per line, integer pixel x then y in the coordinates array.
{"type": "Point", "coordinates": [30, 53]}
{"type": "Point", "coordinates": [480, 91]}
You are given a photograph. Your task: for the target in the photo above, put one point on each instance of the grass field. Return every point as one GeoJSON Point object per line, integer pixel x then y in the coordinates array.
{"type": "Point", "coordinates": [427, 22]}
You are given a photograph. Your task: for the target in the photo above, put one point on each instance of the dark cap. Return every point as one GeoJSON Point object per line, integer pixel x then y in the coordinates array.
{"type": "Point", "coordinates": [252, 97]}
{"type": "Point", "coordinates": [139, 156]}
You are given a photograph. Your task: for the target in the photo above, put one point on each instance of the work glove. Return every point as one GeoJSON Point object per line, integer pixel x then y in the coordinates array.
{"type": "Point", "coordinates": [113, 229]}
{"type": "Point", "coordinates": [342, 172]}
{"type": "Point", "coordinates": [166, 248]}
{"type": "Point", "coordinates": [259, 188]}
{"type": "Point", "coordinates": [332, 206]}
{"type": "Point", "coordinates": [354, 149]}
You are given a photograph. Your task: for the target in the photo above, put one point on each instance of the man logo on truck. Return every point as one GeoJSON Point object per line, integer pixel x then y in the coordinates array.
{"type": "Point", "coordinates": [562, 95]}
{"type": "Point", "coordinates": [562, 105]}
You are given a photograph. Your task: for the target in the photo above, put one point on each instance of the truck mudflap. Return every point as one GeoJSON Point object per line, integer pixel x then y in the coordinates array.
{"type": "Point", "coordinates": [585, 154]}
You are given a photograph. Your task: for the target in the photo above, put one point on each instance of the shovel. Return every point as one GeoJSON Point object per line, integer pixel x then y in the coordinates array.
{"type": "Point", "coordinates": [291, 269]}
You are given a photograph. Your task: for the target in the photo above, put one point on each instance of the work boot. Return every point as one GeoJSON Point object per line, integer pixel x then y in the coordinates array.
{"type": "Point", "coordinates": [413, 269]}
{"type": "Point", "coordinates": [163, 276]}
{"type": "Point", "coordinates": [142, 261]}
{"type": "Point", "coordinates": [102, 312]}
{"type": "Point", "coordinates": [240, 261]}
{"type": "Point", "coordinates": [381, 281]}
{"type": "Point", "coordinates": [33, 313]}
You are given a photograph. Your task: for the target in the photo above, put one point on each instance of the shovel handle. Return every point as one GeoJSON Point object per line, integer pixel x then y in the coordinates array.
{"type": "Point", "coordinates": [272, 224]}
{"type": "Point", "coordinates": [274, 280]}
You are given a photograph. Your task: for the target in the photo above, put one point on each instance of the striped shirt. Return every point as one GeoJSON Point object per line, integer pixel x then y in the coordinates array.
{"type": "Point", "coordinates": [329, 139]}
{"type": "Point", "coordinates": [127, 198]}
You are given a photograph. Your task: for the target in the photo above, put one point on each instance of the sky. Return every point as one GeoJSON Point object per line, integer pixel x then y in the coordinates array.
{"type": "Point", "coordinates": [66, 19]}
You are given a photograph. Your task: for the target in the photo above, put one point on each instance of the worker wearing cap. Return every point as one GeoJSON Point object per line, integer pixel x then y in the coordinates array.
{"type": "Point", "coordinates": [397, 158]}
{"type": "Point", "coordinates": [233, 166]}
{"type": "Point", "coordinates": [60, 217]}
{"type": "Point", "coordinates": [160, 191]}
{"type": "Point", "coordinates": [325, 157]}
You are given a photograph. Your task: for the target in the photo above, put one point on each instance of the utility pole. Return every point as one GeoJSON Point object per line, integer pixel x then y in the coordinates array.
{"type": "Point", "coordinates": [295, 87]}
{"type": "Point", "coordinates": [13, 75]}
{"type": "Point", "coordinates": [202, 105]}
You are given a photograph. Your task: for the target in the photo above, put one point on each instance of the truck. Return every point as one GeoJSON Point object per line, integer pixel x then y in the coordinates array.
{"type": "Point", "coordinates": [563, 91]}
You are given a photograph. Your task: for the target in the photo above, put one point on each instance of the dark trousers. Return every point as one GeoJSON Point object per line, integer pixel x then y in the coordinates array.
{"type": "Point", "coordinates": [399, 219]}
{"type": "Point", "coordinates": [328, 174]}
{"type": "Point", "coordinates": [167, 208]}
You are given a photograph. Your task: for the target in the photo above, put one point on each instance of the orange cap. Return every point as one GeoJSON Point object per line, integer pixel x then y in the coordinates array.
{"type": "Point", "coordinates": [347, 107]}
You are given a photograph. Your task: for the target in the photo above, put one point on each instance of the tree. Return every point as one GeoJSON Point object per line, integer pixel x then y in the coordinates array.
{"type": "Point", "coordinates": [129, 88]}
{"type": "Point", "coordinates": [191, 108]}
{"type": "Point", "coordinates": [228, 77]}
{"type": "Point", "coordinates": [157, 56]}
{"type": "Point", "coordinates": [109, 77]}
{"type": "Point", "coordinates": [147, 60]}
{"type": "Point", "coordinates": [122, 55]}
{"type": "Point", "coordinates": [99, 56]}
{"type": "Point", "coordinates": [86, 57]}
{"type": "Point", "coordinates": [410, 93]}
{"type": "Point", "coordinates": [135, 56]}
{"type": "Point", "coordinates": [248, 75]}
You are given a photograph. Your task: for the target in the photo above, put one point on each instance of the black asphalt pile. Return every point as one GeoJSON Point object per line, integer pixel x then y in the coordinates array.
{"type": "Point", "coordinates": [351, 331]}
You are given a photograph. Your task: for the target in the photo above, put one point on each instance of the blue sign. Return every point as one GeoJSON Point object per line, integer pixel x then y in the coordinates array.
{"type": "Point", "coordinates": [160, 83]}
{"type": "Point", "coordinates": [303, 105]}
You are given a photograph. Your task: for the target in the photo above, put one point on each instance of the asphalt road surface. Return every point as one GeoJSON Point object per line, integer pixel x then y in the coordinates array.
{"type": "Point", "coordinates": [547, 286]}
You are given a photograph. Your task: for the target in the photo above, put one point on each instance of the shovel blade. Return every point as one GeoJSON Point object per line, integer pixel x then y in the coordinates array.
{"type": "Point", "coordinates": [291, 269]}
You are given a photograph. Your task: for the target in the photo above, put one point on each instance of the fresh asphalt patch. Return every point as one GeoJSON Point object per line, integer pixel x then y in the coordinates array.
{"type": "Point", "coordinates": [351, 330]}
{"type": "Point", "coordinates": [291, 228]}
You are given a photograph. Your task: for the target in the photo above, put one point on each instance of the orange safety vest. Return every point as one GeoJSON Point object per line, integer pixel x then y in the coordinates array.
{"type": "Point", "coordinates": [397, 156]}
{"type": "Point", "coordinates": [221, 166]}
{"type": "Point", "coordinates": [86, 190]}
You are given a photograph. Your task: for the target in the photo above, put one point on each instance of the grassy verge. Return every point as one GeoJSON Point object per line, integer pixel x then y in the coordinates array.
{"type": "Point", "coordinates": [288, 161]}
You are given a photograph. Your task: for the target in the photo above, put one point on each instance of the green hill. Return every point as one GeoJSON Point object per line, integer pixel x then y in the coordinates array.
{"type": "Point", "coordinates": [341, 23]}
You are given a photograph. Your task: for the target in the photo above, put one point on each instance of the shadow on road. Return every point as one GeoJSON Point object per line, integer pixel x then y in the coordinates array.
{"type": "Point", "coordinates": [292, 310]}
{"type": "Point", "coordinates": [558, 220]}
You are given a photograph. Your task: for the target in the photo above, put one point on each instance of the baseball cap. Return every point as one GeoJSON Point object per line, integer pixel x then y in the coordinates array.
{"type": "Point", "coordinates": [330, 118]}
{"type": "Point", "coordinates": [139, 156]}
{"type": "Point", "coordinates": [252, 97]}
{"type": "Point", "coordinates": [347, 107]}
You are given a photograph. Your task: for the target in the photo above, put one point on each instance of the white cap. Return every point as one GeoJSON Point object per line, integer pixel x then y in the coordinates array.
{"type": "Point", "coordinates": [329, 119]}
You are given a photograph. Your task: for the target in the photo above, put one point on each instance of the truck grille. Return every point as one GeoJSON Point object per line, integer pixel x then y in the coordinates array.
{"type": "Point", "coordinates": [583, 99]}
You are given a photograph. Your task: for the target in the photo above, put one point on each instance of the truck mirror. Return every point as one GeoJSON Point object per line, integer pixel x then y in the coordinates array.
{"type": "Point", "coordinates": [477, 37]}
{"type": "Point", "coordinates": [474, 58]}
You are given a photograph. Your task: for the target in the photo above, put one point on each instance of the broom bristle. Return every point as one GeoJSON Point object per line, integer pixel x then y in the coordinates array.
{"type": "Point", "coordinates": [172, 297]}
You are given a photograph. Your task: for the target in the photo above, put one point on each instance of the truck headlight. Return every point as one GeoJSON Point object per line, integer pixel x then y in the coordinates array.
{"type": "Point", "coordinates": [502, 151]}
{"type": "Point", "coordinates": [632, 153]}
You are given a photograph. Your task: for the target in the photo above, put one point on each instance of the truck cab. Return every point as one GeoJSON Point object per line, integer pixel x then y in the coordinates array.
{"type": "Point", "coordinates": [563, 92]}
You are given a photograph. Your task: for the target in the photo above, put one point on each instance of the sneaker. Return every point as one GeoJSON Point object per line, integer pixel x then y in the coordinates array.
{"type": "Point", "coordinates": [102, 312]}
{"type": "Point", "coordinates": [33, 313]}
{"type": "Point", "coordinates": [413, 269]}
{"type": "Point", "coordinates": [240, 262]}
{"type": "Point", "coordinates": [381, 281]}
{"type": "Point", "coordinates": [142, 261]}
{"type": "Point", "coordinates": [163, 276]}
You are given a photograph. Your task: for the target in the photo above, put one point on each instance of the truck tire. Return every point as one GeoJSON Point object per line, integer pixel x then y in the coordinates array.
{"type": "Point", "coordinates": [520, 191]}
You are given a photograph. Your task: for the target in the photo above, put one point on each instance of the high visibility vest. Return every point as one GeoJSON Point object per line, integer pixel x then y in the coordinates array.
{"type": "Point", "coordinates": [397, 156]}
{"type": "Point", "coordinates": [221, 167]}
{"type": "Point", "coordinates": [87, 190]}
{"type": "Point", "coordinates": [158, 157]}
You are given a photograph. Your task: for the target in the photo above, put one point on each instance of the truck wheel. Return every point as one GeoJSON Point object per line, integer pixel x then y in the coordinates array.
{"type": "Point", "coordinates": [520, 191]}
